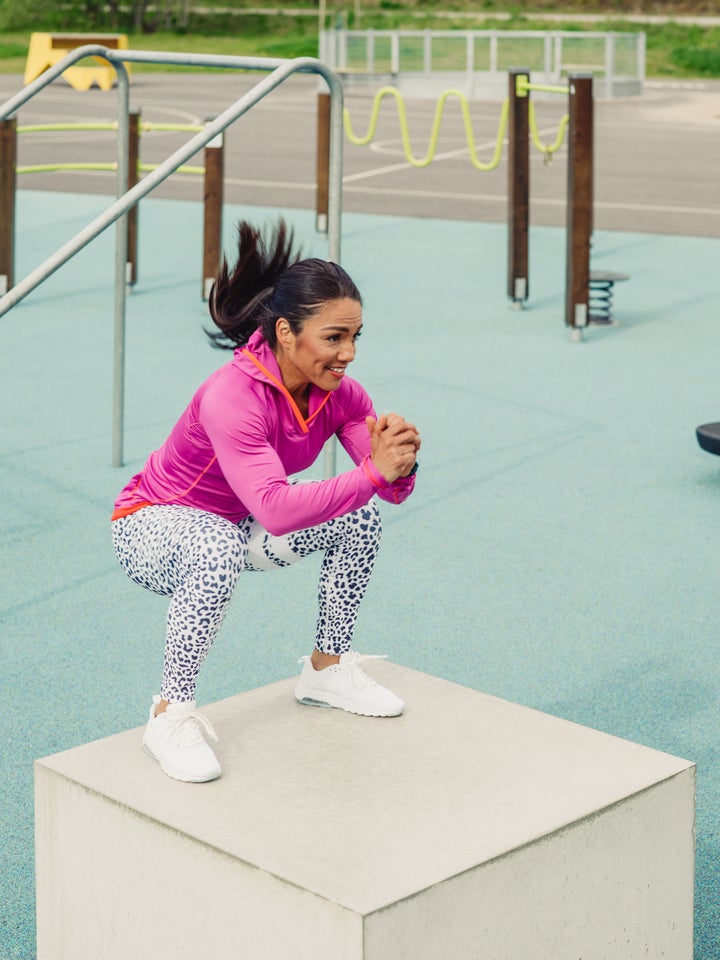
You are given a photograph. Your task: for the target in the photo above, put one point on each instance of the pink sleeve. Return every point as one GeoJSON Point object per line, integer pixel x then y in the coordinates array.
{"type": "Point", "coordinates": [255, 473]}
{"type": "Point", "coordinates": [355, 439]}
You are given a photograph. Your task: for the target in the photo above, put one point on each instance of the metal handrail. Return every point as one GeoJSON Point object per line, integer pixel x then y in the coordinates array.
{"type": "Point", "coordinates": [115, 213]}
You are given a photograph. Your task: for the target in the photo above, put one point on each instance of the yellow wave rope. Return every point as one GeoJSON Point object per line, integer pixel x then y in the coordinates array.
{"type": "Point", "coordinates": [100, 167]}
{"type": "Point", "coordinates": [547, 149]}
{"type": "Point", "coordinates": [435, 132]}
{"type": "Point", "coordinates": [50, 167]}
{"type": "Point", "coordinates": [44, 127]}
{"type": "Point", "coordinates": [146, 126]}
{"type": "Point", "coordinates": [103, 167]}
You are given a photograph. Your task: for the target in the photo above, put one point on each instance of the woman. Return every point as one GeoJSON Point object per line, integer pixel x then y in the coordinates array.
{"type": "Point", "coordinates": [215, 499]}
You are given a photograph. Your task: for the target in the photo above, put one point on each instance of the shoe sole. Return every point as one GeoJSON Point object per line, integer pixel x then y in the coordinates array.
{"type": "Point", "coordinates": [176, 776]}
{"type": "Point", "coordinates": [317, 698]}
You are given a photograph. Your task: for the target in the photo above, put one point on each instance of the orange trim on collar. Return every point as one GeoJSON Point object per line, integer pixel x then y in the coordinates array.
{"type": "Point", "coordinates": [286, 393]}
{"type": "Point", "coordinates": [322, 404]}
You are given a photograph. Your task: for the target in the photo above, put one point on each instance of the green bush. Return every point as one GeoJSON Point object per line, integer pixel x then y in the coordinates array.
{"type": "Point", "coordinates": [8, 50]}
{"type": "Point", "coordinates": [703, 61]}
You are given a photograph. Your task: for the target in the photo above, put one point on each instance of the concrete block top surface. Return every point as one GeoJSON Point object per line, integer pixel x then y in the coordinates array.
{"type": "Point", "coordinates": [366, 812]}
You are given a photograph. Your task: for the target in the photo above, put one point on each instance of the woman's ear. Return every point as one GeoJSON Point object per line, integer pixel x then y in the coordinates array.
{"type": "Point", "coordinates": [283, 331]}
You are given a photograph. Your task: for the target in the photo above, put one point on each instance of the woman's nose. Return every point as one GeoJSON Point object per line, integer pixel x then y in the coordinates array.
{"type": "Point", "coordinates": [346, 353]}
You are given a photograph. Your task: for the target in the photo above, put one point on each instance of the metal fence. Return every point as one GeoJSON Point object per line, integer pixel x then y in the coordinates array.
{"type": "Point", "coordinates": [423, 62]}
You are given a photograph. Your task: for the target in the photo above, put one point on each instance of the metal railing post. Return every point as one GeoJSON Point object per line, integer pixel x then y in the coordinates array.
{"type": "Point", "coordinates": [469, 61]}
{"type": "Point", "coordinates": [121, 259]}
{"type": "Point", "coordinates": [640, 52]}
{"type": "Point", "coordinates": [547, 57]}
{"type": "Point", "coordinates": [557, 55]}
{"type": "Point", "coordinates": [395, 53]}
{"type": "Point", "coordinates": [493, 52]}
{"type": "Point", "coordinates": [334, 220]}
{"type": "Point", "coordinates": [609, 64]}
{"type": "Point", "coordinates": [117, 211]}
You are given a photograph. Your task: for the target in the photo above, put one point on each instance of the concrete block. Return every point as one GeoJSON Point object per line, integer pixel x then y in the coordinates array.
{"type": "Point", "coordinates": [469, 827]}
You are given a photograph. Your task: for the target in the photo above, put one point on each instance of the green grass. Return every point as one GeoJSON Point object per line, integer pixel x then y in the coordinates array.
{"type": "Point", "coordinates": [673, 50]}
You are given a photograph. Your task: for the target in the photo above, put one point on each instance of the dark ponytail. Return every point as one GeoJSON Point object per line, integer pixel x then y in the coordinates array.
{"type": "Point", "coordinates": [268, 281]}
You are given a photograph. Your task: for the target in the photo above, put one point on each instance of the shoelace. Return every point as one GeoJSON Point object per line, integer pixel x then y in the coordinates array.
{"type": "Point", "coordinates": [187, 729]}
{"type": "Point", "coordinates": [359, 677]}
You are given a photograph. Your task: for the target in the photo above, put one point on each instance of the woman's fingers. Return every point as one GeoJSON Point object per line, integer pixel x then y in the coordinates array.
{"type": "Point", "coordinates": [394, 444]}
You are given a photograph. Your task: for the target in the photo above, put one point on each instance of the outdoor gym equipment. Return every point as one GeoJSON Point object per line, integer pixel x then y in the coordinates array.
{"type": "Point", "coordinates": [212, 172]}
{"type": "Point", "coordinates": [588, 295]}
{"type": "Point", "coordinates": [278, 72]}
{"type": "Point", "coordinates": [708, 436]}
{"type": "Point", "coordinates": [434, 133]}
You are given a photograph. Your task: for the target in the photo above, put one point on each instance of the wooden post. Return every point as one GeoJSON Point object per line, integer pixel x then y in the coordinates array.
{"type": "Point", "coordinates": [518, 190]}
{"type": "Point", "coordinates": [323, 162]}
{"type": "Point", "coordinates": [8, 176]}
{"type": "Point", "coordinates": [579, 202]}
{"type": "Point", "coordinates": [133, 177]}
{"type": "Point", "coordinates": [213, 210]}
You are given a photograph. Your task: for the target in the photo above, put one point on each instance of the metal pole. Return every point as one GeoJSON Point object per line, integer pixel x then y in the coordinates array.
{"type": "Point", "coordinates": [121, 256]}
{"type": "Point", "coordinates": [579, 203]}
{"type": "Point", "coordinates": [469, 61]}
{"type": "Point", "coordinates": [493, 51]}
{"type": "Point", "coordinates": [115, 213]}
{"type": "Point", "coordinates": [640, 54]}
{"type": "Point", "coordinates": [8, 183]}
{"type": "Point", "coordinates": [610, 64]}
{"type": "Point", "coordinates": [334, 221]}
{"type": "Point", "coordinates": [335, 174]}
{"type": "Point", "coordinates": [518, 190]}
{"type": "Point", "coordinates": [182, 155]}
{"type": "Point", "coordinates": [547, 57]}
{"type": "Point", "coordinates": [395, 53]}
{"type": "Point", "coordinates": [47, 77]}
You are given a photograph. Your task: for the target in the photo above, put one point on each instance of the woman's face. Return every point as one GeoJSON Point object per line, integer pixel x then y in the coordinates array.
{"type": "Point", "coordinates": [324, 348]}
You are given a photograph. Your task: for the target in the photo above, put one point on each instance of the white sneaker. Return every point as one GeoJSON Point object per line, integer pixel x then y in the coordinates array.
{"type": "Point", "coordinates": [347, 686]}
{"type": "Point", "coordinates": [175, 740]}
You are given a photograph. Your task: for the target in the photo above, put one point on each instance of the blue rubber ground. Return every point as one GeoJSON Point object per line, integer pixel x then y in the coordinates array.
{"type": "Point", "coordinates": [561, 549]}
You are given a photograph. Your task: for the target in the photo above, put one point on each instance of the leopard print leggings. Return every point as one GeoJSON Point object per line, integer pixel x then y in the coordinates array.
{"type": "Point", "coordinates": [196, 558]}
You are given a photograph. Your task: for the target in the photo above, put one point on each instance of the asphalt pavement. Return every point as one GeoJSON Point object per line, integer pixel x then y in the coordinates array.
{"type": "Point", "coordinates": [656, 155]}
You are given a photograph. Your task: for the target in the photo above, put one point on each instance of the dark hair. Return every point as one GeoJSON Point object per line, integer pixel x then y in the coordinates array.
{"type": "Point", "coordinates": [269, 281]}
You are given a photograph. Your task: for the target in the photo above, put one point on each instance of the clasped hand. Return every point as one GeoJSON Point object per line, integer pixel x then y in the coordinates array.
{"type": "Point", "coordinates": [394, 444]}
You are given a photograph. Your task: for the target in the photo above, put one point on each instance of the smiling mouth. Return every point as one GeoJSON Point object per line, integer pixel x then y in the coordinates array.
{"type": "Point", "coordinates": [336, 371]}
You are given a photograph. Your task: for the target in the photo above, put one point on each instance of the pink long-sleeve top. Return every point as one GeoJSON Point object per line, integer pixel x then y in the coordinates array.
{"type": "Point", "coordinates": [242, 435]}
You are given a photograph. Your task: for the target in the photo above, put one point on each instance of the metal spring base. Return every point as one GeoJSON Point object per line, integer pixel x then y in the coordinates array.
{"type": "Point", "coordinates": [600, 296]}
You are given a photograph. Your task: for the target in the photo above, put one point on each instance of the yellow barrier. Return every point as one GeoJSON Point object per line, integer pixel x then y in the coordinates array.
{"type": "Point", "coordinates": [46, 49]}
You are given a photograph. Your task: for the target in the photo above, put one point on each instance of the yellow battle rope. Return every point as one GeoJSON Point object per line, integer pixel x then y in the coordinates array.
{"type": "Point", "coordinates": [103, 167]}
{"type": "Point", "coordinates": [435, 133]}
{"type": "Point", "coordinates": [99, 167]}
{"type": "Point", "coordinates": [547, 149]}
